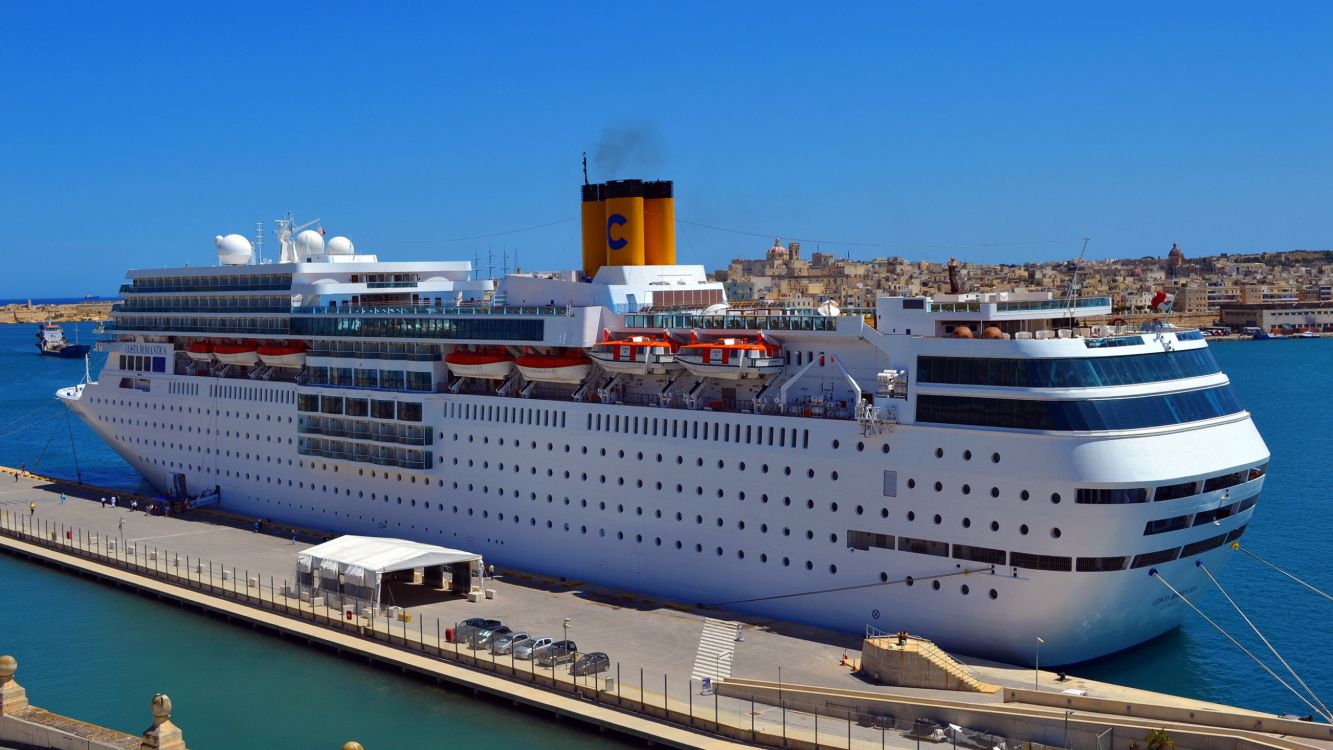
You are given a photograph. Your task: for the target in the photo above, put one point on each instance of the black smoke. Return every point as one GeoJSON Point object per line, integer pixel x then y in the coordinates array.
{"type": "Point", "coordinates": [628, 150]}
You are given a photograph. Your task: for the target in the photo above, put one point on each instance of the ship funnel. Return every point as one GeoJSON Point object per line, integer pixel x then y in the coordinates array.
{"type": "Point", "coordinates": [628, 223]}
{"type": "Point", "coordinates": [594, 231]}
{"type": "Point", "coordinates": [659, 223]}
{"type": "Point", "coordinates": [624, 222]}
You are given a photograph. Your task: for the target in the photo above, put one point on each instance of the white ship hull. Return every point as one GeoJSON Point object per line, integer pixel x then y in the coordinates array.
{"type": "Point", "coordinates": [759, 528]}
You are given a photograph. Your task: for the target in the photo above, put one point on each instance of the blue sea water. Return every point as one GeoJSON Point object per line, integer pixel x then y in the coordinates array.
{"type": "Point", "coordinates": [1279, 381]}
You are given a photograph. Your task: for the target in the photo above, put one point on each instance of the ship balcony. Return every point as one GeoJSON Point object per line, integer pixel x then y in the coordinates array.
{"type": "Point", "coordinates": [487, 310]}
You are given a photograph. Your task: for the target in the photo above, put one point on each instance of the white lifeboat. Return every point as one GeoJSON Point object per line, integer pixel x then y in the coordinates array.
{"type": "Point", "coordinates": [200, 351]}
{"type": "Point", "coordinates": [286, 354]}
{"type": "Point", "coordinates": [731, 358]}
{"type": "Point", "coordinates": [489, 364]}
{"type": "Point", "coordinates": [635, 355]}
{"type": "Point", "coordinates": [555, 368]}
{"type": "Point", "coordinates": [236, 354]}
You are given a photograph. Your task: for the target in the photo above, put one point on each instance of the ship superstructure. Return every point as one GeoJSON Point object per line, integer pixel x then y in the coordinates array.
{"type": "Point", "coordinates": [981, 469]}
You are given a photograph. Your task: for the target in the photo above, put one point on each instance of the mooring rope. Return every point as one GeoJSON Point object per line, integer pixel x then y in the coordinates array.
{"type": "Point", "coordinates": [69, 426]}
{"type": "Point", "coordinates": [1236, 545]}
{"type": "Point", "coordinates": [1325, 713]}
{"type": "Point", "coordinates": [1153, 573]}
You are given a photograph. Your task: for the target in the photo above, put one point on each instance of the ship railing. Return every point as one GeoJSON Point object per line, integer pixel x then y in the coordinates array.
{"type": "Point", "coordinates": [658, 321]}
{"type": "Point", "coordinates": [433, 310]}
{"type": "Point", "coordinates": [193, 308]}
{"type": "Point", "coordinates": [377, 436]}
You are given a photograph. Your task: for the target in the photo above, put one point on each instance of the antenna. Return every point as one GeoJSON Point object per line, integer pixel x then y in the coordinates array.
{"type": "Point", "coordinates": [259, 243]}
{"type": "Point", "coordinates": [1073, 280]}
{"type": "Point", "coordinates": [585, 167]}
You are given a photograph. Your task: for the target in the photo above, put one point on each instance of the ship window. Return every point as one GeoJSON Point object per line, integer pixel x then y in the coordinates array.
{"type": "Point", "coordinates": [1236, 533]}
{"type": "Point", "coordinates": [1084, 415]}
{"type": "Point", "coordinates": [1216, 514]}
{"type": "Point", "coordinates": [1116, 496]}
{"type": "Point", "coordinates": [1213, 484]}
{"type": "Point", "coordinates": [1099, 564]}
{"type": "Point", "coordinates": [1040, 562]}
{"type": "Point", "coordinates": [1175, 491]}
{"type": "Point", "coordinates": [1155, 558]}
{"type": "Point", "coordinates": [1084, 372]}
{"type": "Point", "coordinates": [1247, 503]}
{"type": "Point", "coordinates": [1163, 525]}
{"type": "Point", "coordinates": [978, 554]}
{"type": "Point", "coordinates": [923, 546]}
{"type": "Point", "coordinates": [1203, 545]}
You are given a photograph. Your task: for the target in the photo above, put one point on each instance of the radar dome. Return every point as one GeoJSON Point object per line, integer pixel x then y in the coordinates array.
{"type": "Point", "coordinates": [309, 243]}
{"type": "Point", "coordinates": [341, 246]}
{"type": "Point", "coordinates": [233, 250]}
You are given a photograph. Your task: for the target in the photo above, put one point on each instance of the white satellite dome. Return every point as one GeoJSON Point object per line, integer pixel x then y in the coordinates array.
{"type": "Point", "coordinates": [309, 243]}
{"type": "Point", "coordinates": [341, 246]}
{"type": "Point", "coordinates": [233, 250]}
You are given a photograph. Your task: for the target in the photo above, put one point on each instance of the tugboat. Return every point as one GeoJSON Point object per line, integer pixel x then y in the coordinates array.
{"type": "Point", "coordinates": [51, 342]}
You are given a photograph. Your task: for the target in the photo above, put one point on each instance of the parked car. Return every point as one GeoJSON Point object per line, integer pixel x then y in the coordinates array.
{"type": "Point", "coordinates": [482, 638]}
{"type": "Point", "coordinates": [590, 663]}
{"type": "Point", "coordinates": [532, 647]}
{"type": "Point", "coordinates": [560, 652]}
{"type": "Point", "coordinates": [464, 630]}
{"type": "Point", "coordinates": [505, 643]}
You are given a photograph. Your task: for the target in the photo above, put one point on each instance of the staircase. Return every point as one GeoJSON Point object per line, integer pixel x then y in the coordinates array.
{"type": "Point", "coordinates": [916, 662]}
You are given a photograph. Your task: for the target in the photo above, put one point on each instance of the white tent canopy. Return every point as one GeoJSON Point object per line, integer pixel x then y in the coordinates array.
{"type": "Point", "coordinates": [362, 561]}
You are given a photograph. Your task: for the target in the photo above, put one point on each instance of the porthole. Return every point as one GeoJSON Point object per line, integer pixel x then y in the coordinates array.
{"type": "Point", "coordinates": [809, 534]}
{"type": "Point", "coordinates": [935, 585]}
{"type": "Point", "coordinates": [994, 525]}
{"type": "Point", "coordinates": [911, 484]}
{"type": "Point", "coordinates": [835, 443]}
{"type": "Point", "coordinates": [1023, 529]}
{"type": "Point", "coordinates": [939, 453]}
{"type": "Point", "coordinates": [1055, 498]}
{"type": "Point", "coordinates": [786, 562]}
{"type": "Point", "coordinates": [994, 491]}
{"type": "Point", "coordinates": [911, 515]}
{"type": "Point", "coordinates": [967, 489]}
{"type": "Point", "coordinates": [883, 512]}
{"type": "Point", "coordinates": [967, 455]}
{"type": "Point", "coordinates": [910, 581]}
{"type": "Point", "coordinates": [967, 523]}
{"type": "Point", "coordinates": [809, 565]}
{"type": "Point", "coordinates": [994, 594]}
{"type": "Point", "coordinates": [809, 504]}
{"type": "Point", "coordinates": [860, 447]}
{"type": "Point", "coordinates": [995, 458]}
{"type": "Point", "coordinates": [860, 510]}
{"type": "Point", "coordinates": [833, 569]}
{"type": "Point", "coordinates": [939, 486]}
{"type": "Point", "coordinates": [938, 519]}
{"type": "Point", "coordinates": [1055, 533]}
{"type": "Point", "coordinates": [883, 577]}
{"type": "Point", "coordinates": [1024, 494]}
{"type": "Point", "coordinates": [965, 589]}
{"type": "Point", "coordinates": [884, 448]}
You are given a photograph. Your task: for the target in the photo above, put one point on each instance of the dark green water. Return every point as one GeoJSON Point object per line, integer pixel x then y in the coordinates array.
{"type": "Point", "coordinates": [99, 654]}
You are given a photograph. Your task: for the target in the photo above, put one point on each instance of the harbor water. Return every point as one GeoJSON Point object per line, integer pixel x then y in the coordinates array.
{"type": "Point", "coordinates": [98, 653]}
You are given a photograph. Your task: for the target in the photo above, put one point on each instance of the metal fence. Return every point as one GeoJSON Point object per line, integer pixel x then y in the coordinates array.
{"type": "Point", "coordinates": [787, 723]}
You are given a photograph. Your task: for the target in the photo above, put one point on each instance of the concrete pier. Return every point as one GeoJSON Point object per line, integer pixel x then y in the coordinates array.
{"type": "Point", "coordinates": [656, 647]}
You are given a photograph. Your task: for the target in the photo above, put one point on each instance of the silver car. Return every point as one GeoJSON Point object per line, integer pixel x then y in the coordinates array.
{"type": "Point", "coordinates": [531, 647]}
{"type": "Point", "coordinates": [505, 643]}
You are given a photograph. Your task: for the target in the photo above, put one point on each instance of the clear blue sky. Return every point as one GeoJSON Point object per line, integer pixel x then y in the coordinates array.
{"type": "Point", "coordinates": [131, 134]}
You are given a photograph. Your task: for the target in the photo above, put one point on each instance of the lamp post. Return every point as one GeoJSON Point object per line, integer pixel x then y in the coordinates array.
{"type": "Point", "coordinates": [566, 628]}
{"type": "Point", "coordinates": [1067, 713]}
{"type": "Point", "coordinates": [1036, 665]}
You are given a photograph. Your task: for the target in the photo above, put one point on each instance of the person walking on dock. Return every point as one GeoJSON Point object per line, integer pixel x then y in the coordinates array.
{"type": "Point", "coordinates": [113, 501]}
{"type": "Point", "coordinates": [32, 508]}
{"type": "Point", "coordinates": [293, 536]}
{"type": "Point", "coordinates": [104, 501]}
{"type": "Point", "coordinates": [62, 498]}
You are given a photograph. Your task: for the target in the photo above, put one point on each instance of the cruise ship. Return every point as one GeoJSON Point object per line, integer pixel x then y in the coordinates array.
{"type": "Point", "coordinates": [989, 470]}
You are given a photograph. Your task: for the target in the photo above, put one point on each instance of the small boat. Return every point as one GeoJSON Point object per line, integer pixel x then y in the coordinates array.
{"type": "Point", "coordinates": [1266, 336]}
{"type": "Point", "coordinates": [490, 363]}
{"type": "Point", "coordinates": [555, 368]}
{"type": "Point", "coordinates": [635, 355]}
{"type": "Point", "coordinates": [236, 354]}
{"type": "Point", "coordinates": [200, 351]}
{"type": "Point", "coordinates": [51, 342]}
{"type": "Point", "coordinates": [1305, 335]}
{"type": "Point", "coordinates": [731, 358]}
{"type": "Point", "coordinates": [285, 354]}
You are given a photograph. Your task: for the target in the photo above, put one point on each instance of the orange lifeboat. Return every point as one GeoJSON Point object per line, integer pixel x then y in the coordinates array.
{"type": "Point", "coordinates": [731, 358]}
{"type": "Point", "coordinates": [571, 367]}
{"type": "Point", "coordinates": [286, 354]}
{"type": "Point", "coordinates": [492, 363]}
{"type": "Point", "coordinates": [637, 355]}
{"type": "Point", "coordinates": [200, 351]}
{"type": "Point", "coordinates": [237, 353]}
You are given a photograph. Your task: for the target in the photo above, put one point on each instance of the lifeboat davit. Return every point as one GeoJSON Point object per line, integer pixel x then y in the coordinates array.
{"type": "Point", "coordinates": [636, 355]}
{"type": "Point", "coordinates": [200, 351]}
{"type": "Point", "coordinates": [491, 364]}
{"type": "Point", "coordinates": [236, 354]}
{"type": "Point", "coordinates": [731, 358]}
{"type": "Point", "coordinates": [287, 354]}
{"type": "Point", "coordinates": [555, 368]}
